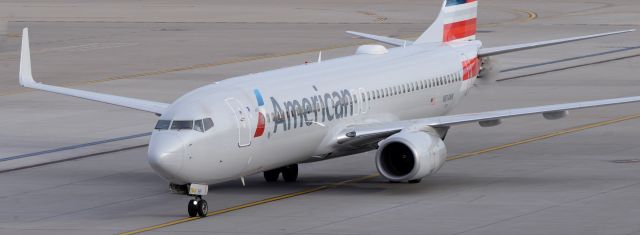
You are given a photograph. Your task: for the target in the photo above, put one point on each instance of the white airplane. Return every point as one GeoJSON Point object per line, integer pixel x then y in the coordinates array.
{"type": "Point", "coordinates": [393, 100]}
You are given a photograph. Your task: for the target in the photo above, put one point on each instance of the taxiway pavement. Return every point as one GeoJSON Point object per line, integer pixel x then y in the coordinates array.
{"type": "Point", "coordinates": [578, 175]}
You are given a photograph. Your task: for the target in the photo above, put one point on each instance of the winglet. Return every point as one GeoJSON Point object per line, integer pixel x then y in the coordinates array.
{"type": "Point", "coordinates": [26, 78]}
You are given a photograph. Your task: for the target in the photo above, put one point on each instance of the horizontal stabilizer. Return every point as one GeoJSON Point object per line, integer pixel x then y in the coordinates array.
{"type": "Point", "coordinates": [525, 46]}
{"type": "Point", "coordinates": [387, 40]}
{"type": "Point", "coordinates": [26, 80]}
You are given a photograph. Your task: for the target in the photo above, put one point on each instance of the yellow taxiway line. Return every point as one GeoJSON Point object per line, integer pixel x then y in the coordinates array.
{"type": "Point", "coordinates": [351, 181]}
{"type": "Point", "coordinates": [545, 136]}
{"type": "Point", "coordinates": [251, 204]}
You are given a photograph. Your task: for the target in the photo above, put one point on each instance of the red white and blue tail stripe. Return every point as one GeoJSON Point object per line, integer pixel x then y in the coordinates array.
{"type": "Point", "coordinates": [457, 21]}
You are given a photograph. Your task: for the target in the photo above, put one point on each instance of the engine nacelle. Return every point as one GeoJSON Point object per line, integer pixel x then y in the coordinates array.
{"type": "Point", "coordinates": [410, 155]}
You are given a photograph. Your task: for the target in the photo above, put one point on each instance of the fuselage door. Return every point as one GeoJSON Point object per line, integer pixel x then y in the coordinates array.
{"type": "Point", "coordinates": [243, 121]}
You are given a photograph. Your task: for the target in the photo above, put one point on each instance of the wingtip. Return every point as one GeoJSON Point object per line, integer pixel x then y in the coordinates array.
{"type": "Point", "coordinates": [25, 76]}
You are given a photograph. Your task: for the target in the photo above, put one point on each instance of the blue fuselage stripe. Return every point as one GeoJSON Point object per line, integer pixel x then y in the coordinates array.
{"type": "Point", "coordinates": [455, 2]}
{"type": "Point", "coordinates": [259, 97]}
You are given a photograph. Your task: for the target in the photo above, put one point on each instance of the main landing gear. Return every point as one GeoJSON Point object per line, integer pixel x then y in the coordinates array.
{"type": "Point", "coordinates": [289, 173]}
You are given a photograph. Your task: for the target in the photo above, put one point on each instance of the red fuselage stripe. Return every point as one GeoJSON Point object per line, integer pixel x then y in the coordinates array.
{"type": "Point", "coordinates": [260, 128]}
{"type": "Point", "coordinates": [470, 68]}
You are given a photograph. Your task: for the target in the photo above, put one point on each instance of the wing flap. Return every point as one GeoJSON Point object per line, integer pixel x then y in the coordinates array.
{"type": "Point", "coordinates": [26, 80]}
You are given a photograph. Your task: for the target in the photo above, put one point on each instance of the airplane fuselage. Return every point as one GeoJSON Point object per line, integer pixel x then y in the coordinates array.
{"type": "Point", "coordinates": [271, 119]}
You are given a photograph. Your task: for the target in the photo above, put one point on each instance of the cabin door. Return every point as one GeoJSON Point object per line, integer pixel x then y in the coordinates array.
{"type": "Point", "coordinates": [243, 121]}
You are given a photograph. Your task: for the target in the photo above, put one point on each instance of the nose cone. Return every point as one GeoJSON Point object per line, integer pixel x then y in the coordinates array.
{"type": "Point", "coordinates": [166, 153]}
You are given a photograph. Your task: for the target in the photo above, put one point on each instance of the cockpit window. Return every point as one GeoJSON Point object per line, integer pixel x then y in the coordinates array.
{"type": "Point", "coordinates": [197, 125]}
{"type": "Point", "coordinates": [163, 124]}
{"type": "Point", "coordinates": [182, 125]}
{"type": "Point", "coordinates": [208, 123]}
{"type": "Point", "coordinates": [201, 125]}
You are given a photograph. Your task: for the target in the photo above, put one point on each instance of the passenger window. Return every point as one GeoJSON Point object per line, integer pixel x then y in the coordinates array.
{"type": "Point", "coordinates": [197, 125]}
{"type": "Point", "coordinates": [208, 123]}
{"type": "Point", "coordinates": [162, 124]}
{"type": "Point", "coordinates": [181, 125]}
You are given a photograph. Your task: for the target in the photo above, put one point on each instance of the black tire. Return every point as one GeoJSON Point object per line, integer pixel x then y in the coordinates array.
{"type": "Point", "coordinates": [290, 173]}
{"type": "Point", "coordinates": [203, 208]}
{"type": "Point", "coordinates": [415, 181]}
{"type": "Point", "coordinates": [272, 175]}
{"type": "Point", "coordinates": [192, 208]}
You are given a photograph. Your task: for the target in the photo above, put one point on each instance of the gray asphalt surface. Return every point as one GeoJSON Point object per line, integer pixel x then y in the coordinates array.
{"type": "Point", "coordinates": [567, 184]}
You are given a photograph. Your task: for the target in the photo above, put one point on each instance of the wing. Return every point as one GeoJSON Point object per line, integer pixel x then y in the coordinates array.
{"type": "Point", "coordinates": [366, 133]}
{"type": "Point", "coordinates": [26, 80]}
{"type": "Point", "coordinates": [518, 47]}
{"type": "Point", "coordinates": [388, 40]}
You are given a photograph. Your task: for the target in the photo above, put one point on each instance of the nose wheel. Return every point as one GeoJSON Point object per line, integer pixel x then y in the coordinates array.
{"type": "Point", "coordinates": [197, 207]}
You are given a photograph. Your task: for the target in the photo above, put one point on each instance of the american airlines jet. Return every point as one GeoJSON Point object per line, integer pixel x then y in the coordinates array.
{"type": "Point", "coordinates": [392, 100]}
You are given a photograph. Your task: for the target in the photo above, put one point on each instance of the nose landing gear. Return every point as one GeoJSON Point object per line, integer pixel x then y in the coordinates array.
{"type": "Point", "coordinates": [197, 207]}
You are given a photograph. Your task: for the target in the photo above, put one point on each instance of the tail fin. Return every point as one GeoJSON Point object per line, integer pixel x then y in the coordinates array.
{"type": "Point", "coordinates": [456, 22]}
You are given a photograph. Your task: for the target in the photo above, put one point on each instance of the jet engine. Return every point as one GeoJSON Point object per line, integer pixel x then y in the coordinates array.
{"type": "Point", "coordinates": [412, 155]}
{"type": "Point", "coordinates": [489, 71]}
